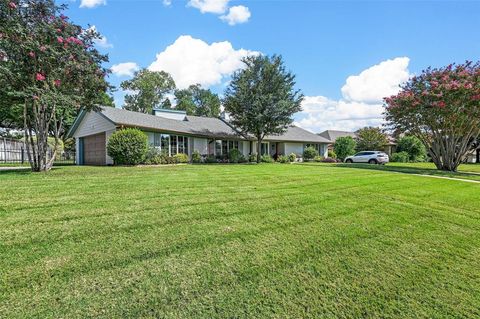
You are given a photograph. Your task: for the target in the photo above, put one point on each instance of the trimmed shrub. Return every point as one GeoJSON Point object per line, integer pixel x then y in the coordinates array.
{"type": "Point", "coordinates": [196, 157]}
{"type": "Point", "coordinates": [180, 158]}
{"type": "Point", "coordinates": [318, 158]}
{"type": "Point", "coordinates": [266, 159]}
{"type": "Point", "coordinates": [234, 156]}
{"type": "Point", "coordinates": [292, 157]}
{"type": "Point", "coordinates": [332, 154]}
{"type": "Point", "coordinates": [329, 160]}
{"type": "Point", "coordinates": [211, 159]}
{"type": "Point", "coordinates": [170, 160]}
{"type": "Point", "coordinates": [128, 146]}
{"type": "Point", "coordinates": [252, 158]}
{"type": "Point", "coordinates": [283, 159]}
{"type": "Point", "coordinates": [309, 153]}
{"type": "Point", "coordinates": [400, 157]}
{"type": "Point", "coordinates": [154, 157]}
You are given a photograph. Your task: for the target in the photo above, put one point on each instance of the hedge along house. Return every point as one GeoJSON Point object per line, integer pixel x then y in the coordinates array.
{"type": "Point", "coordinates": [175, 132]}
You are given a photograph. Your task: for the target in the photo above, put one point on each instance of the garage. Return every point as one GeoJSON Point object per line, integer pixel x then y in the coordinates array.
{"type": "Point", "coordinates": [94, 150]}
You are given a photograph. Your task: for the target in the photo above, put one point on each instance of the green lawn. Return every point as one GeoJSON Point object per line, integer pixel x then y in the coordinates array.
{"type": "Point", "coordinates": [237, 241]}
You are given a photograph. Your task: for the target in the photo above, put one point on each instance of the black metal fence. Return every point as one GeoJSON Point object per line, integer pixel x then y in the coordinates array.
{"type": "Point", "coordinates": [15, 152]}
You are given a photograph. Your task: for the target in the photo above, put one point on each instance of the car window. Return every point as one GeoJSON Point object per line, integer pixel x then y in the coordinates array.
{"type": "Point", "coordinates": [369, 153]}
{"type": "Point", "coordinates": [360, 154]}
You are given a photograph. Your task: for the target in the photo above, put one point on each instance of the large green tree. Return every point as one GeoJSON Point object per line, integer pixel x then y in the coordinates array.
{"type": "Point", "coordinates": [198, 101]}
{"type": "Point", "coordinates": [344, 146]}
{"type": "Point", "coordinates": [148, 90]}
{"type": "Point", "coordinates": [413, 146]}
{"type": "Point", "coordinates": [370, 139]}
{"type": "Point", "coordinates": [441, 107]}
{"type": "Point", "coordinates": [261, 98]}
{"type": "Point", "coordinates": [49, 69]}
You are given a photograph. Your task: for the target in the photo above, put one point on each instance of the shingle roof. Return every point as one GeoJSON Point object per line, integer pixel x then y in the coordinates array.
{"type": "Point", "coordinates": [199, 126]}
{"type": "Point", "coordinates": [192, 125]}
{"type": "Point", "coordinates": [332, 135]}
{"type": "Point", "coordinates": [297, 134]}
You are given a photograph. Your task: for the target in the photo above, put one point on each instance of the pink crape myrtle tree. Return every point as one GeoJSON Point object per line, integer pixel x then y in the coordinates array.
{"type": "Point", "coordinates": [49, 69]}
{"type": "Point", "coordinates": [442, 108]}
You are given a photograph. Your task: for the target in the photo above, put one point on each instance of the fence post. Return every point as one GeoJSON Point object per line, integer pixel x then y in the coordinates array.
{"type": "Point", "coordinates": [5, 149]}
{"type": "Point", "coordinates": [23, 155]}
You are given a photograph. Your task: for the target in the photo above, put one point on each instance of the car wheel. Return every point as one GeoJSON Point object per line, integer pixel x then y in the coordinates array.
{"type": "Point", "coordinates": [372, 161]}
{"type": "Point", "coordinates": [349, 161]}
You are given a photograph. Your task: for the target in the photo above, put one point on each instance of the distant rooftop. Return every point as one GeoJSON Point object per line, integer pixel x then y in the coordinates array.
{"type": "Point", "coordinates": [332, 135]}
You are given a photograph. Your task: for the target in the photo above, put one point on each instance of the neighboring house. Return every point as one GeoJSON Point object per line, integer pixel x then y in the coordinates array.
{"type": "Point", "coordinates": [332, 135]}
{"type": "Point", "coordinates": [175, 132]}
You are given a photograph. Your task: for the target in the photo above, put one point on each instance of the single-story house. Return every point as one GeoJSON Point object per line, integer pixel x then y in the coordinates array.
{"type": "Point", "coordinates": [175, 132]}
{"type": "Point", "coordinates": [333, 135]}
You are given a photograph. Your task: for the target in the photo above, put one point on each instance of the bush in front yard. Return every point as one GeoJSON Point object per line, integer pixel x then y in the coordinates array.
{"type": "Point", "coordinates": [400, 157]}
{"type": "Point", "coordinates": [180, 158]}
{"type": "Point", "coordinates": [318, 158]}
{"type": "Point", "coordinates": [283, 159]}
{"type": "Point", "coordinates": [128, 146]}
{"type": "Point", "coordinates": [154, 157]}
{"type": "Point", "coordinates": [196, 157]}
{"type": "Point", "coordinates": [292, 157]}
{"type": "Point", "coordinates": [235, 156]}
{"type": "Point", "coordinates": [329, 160]}
{"type": "Point", "coordinates": [211, 159]}
{"type": "Point", "coordinates": [309, 153]}
{"type": "Point", "coordinates": [332, 154]}
{"type": "Point", "coordinates": [266, 159]}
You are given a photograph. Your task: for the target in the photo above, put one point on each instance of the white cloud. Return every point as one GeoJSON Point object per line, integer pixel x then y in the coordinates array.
{"type": "Point", "coordinates": [361, 104]}
{"type": "Point", "coordinates": [209, 6]}
{"type": "Point", "coordinates": [92, 3]}
{"type": "Point", "coordinates": [125, 69]}
{"type": "Point", "coordinates": [102, 41]}
{"type": "Point", "coordinates": [377, 82]}
{"type": "Point", "coordinates": [236, 15]}
{"type": "Point", "coordinates": [192, 61]}
{"type": "Point", "coordinates": [167, 3]}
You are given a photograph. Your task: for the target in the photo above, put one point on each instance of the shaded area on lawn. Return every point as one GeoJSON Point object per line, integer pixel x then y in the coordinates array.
{"type": "Point", "coordinates": [413, 169]}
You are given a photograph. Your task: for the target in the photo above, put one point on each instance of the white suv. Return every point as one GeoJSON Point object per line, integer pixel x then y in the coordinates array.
{"type": "Point", "coordinates": [370, 157]}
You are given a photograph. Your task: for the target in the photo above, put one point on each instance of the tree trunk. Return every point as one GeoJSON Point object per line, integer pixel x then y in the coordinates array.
{"type": "Point", "coordinates": [259, 148]}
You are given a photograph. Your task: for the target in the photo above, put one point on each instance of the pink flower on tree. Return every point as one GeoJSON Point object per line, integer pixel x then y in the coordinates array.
{"type": "Point", "coordinates": [31, 54]}
{"type": "Point", "coordinates": [43, 48]}
{"type": "Point", "coordinates": [60, 39]}
{"type": "Point", "coordinates": [57, 82]}
{"type": "Point", "coordinates": [40, 77]}
{"type": "Point", "coordinates": [441, 104]}
{"type": "Point", "coordinates": [12, 5]}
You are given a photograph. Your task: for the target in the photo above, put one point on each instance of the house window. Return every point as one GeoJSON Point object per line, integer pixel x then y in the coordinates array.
{"type": "Point", "coordinates": [164, 143]}
{"type": "Point", "coordinates": [182, 144]}
{"type": "Point", "coordinates": [315, 146]}
{"type": "Point", "coordinates": [232, 145]}
{"type": "Point", "coordinates": [173, 145]}
{"type": "Point", "coordinates": [218, 147]}
{"type": "Point", "coordinates": [264, 148]}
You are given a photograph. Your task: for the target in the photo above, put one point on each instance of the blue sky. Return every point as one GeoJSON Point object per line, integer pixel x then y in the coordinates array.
{"type": "Point", "coordinates": [376, 45]}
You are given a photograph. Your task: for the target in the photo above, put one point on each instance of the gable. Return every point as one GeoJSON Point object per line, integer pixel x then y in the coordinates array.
{"type": "Point", "coordinates": [93, 123]}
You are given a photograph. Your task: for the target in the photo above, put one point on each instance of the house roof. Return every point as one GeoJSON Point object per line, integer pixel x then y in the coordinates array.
{"type": "Point", "coordinates": [297, 134]}
{"type": "Point", "coordinates": [332, 135]}
{"type": "Point", "coordinates": [192, 125]}
{"type": "Point", "coordinates": [195, 125]}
